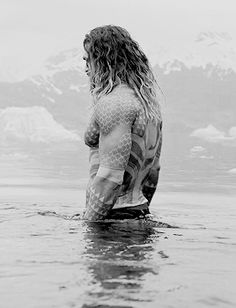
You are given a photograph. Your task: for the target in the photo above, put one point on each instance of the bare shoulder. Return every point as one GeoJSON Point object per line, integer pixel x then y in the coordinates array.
{"type": "Point", "coordinates": [119, 106]}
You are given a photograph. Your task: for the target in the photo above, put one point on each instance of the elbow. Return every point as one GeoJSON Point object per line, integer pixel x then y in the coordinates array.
{"type": "Point", "coordinates": [90, 140]}
{"type": "Point", "coordinates": [107, 174]}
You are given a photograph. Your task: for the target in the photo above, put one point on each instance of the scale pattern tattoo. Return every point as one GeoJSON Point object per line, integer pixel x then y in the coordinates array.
{"type": "Point", "coordinates": [124, 154]}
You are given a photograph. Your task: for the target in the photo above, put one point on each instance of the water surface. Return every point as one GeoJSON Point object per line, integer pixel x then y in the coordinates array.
{"type": "Point", "coordinates": [55, 261]}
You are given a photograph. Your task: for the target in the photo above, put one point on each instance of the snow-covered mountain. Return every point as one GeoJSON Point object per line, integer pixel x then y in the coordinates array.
{"type": "Point", "coordinates": [32, 124]}
{"type": "Point", "coordinates": [215, 48]}
{"type": "Point", "coordinates": [207, 49]}
{"type": "Point", "coordinates": [199, 109]}
{"type": "Point", "coordinates": [211, 134]}
{"type": "Point", "coordinates": [67, 61]}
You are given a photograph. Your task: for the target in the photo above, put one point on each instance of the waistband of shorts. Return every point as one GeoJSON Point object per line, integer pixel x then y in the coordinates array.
{"type": "Point", "coordinates": [132, 212]}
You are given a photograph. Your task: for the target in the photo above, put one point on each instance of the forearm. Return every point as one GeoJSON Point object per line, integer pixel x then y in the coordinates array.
{"type": "Point", "coordinates": [101, 196]}
{"type": "Point", "coordinates": [93, 169]}
{"type": "Point", "coordinates": [102, 193]}
{"type": "Point", "coordinates": [150, 184]}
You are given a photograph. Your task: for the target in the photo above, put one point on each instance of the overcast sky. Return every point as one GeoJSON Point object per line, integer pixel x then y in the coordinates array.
{"type": "Point", "coordinates": [30, 30]}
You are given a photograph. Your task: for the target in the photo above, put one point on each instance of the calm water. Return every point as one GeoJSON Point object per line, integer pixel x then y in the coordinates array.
{"type": "Point", "coordinates": [55, 261]}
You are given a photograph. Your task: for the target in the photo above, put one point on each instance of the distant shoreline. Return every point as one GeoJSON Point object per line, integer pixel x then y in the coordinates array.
{"type": "Point", "coordinates": [166, 194]}
{"type": "Point", "coordinates": [74, 185]}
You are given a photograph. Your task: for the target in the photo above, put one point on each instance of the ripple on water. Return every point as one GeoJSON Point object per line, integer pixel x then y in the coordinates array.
{"type": "Point", "coordinates": [56, 259]}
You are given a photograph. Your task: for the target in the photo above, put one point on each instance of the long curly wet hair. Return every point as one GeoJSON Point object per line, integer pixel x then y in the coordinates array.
{"type": "Point", "coordinates": [118, 59]}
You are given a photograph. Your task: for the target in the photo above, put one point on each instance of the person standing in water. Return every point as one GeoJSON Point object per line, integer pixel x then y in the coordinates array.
{"type": "Point", "coordinates": [125, 130]}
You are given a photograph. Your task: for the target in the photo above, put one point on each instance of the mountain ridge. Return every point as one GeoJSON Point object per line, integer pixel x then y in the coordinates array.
{"type": "Point", "coordinates": [199, 109]}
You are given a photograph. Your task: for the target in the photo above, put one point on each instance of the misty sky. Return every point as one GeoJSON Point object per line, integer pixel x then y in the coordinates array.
{"type": "Point", "coordinates": [31, 30]}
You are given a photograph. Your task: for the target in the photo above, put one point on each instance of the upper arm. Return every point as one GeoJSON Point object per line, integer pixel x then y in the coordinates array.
{"type": "Point", "coordinates": [91, 135]}
{"type": "Point", "coordinates": [115, 119]}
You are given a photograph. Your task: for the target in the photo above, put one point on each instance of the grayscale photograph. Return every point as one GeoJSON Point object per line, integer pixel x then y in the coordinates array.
{"type": "Point", "coordinates": [117, 154]}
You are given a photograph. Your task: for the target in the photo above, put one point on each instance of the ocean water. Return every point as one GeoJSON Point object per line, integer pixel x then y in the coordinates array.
{"type": "Point", "coordinates": [51, 258]}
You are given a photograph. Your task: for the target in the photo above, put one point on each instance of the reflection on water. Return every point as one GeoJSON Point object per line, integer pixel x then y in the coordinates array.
{"type": "Point", "coordinates": [119, 257]}
{"type": "Point", "coordinates": [51, 258]}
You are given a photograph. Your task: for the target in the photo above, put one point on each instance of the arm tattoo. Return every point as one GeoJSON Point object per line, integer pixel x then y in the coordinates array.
{"type": "Point", "coordinates": [151, 180]}
{"type": "Point", "coordinates": [114, 119]}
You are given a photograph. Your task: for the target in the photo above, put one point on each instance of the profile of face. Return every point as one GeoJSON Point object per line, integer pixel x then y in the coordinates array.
{"type": "Point", "coordinates": [89, 67]}
{"type": "Point", "coordinates": [87, 63]}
